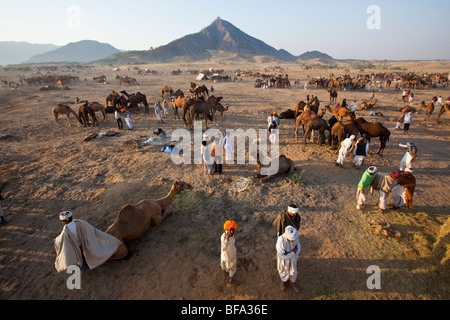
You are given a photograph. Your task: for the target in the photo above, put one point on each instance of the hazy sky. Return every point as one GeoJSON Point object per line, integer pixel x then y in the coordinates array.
{"type": "Point", "coordinates": [396, 29]}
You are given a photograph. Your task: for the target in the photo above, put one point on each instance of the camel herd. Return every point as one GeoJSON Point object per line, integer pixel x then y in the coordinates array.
{"type": "Point", "coordinates": [198, 105]}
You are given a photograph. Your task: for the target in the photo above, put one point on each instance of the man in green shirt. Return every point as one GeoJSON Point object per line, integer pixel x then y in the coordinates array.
{"type": "Point", "coordinates": [364, 182]}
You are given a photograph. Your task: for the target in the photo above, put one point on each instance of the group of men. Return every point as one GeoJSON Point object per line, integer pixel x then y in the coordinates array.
{"type": "Point", "coordinates": [287, 224]}
{"type": "Point", "coordinates": [402, 186]}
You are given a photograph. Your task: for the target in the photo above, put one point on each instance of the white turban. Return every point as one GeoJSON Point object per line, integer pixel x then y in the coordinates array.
{"type": "Point", "coordinates": [65, 215]}
{"type": "Point", "coordinates": [372, 169]}
{"type": "Point", "coordinates": [291, 233]}
{"type": "Point", "coordinates": [352, 137]}
{"type": "Point", "coordinates": [292, 210]}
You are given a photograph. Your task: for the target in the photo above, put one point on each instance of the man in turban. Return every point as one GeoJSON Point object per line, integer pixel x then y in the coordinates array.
{"type": "Point", "coordinates": [347, 146]}
{"type": "Point", "coordinates": [288, 249]}
{"type": "Point", "coordinates": [364, 182]}
{"type": "Point", "coordinates": [82, 245]}
{"type": "Point", "coordinates": [289, 217]}
{"type": "Point", "coordinates": [384, 183]}
{"type": "Point", "coordinates": [228, 250]}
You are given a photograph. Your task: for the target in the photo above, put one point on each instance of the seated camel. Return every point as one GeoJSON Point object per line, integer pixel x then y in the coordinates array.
{"type": "Point", "coordinates": [134, 220]}
{"type": "Point", "coordinates": [340, 112]}
{"type": "Point", "coordinates": [285, 165]}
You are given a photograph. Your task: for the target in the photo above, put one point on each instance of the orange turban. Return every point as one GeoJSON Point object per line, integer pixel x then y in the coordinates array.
{"type": "Point", "coordinates": [230, 224]}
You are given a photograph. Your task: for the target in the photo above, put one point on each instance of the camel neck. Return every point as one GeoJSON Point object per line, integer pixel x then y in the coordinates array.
{"type": "Point", "coordinates": [167, 200]}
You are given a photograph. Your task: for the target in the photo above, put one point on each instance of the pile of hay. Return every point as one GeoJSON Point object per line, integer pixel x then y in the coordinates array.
{"type": "Point", "coordinates": [441, 251]}
{"type": "Point", "coordinates": [187, 201]}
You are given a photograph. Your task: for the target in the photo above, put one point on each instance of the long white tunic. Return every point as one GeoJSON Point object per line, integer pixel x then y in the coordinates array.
{"type": "Point", "coordinates": [228, 255]}
{"type": "Point", "coordinates": [287, 258]}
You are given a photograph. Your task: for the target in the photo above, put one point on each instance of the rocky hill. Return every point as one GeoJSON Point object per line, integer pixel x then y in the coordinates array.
{"type": "Point", "coordinates": [81, 51]}
{"type": "Point", "coordinates": [13, 52]}
{"type": "Point", "coordinates": [219, 38]}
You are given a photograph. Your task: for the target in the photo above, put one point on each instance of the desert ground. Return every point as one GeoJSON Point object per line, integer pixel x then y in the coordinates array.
{"type": "Point", "coordinates": [46, 168]}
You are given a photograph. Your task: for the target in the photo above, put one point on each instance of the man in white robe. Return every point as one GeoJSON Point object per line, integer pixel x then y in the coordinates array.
{"type": "Point", "coordinates": [82, 245]}
{"type": "Point", "coordinates": [347, 146]}
{"type": "Point", "coordinates": [229, 150]}
{"type": "Point", "coordinates": [228, 250]}
{"type": "Point", "coordinates": [288, 249]}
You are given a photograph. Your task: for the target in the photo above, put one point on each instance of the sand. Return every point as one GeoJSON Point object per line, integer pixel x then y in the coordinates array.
{"type": "Point", "coordinates": [45, 169]}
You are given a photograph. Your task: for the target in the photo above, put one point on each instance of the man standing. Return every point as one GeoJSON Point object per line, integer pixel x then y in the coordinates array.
{"type": "Point", "coordinates": [383, 183]}
{"type": "Point", "coordinates": [289, 217]}
{"type": "Point", "coordinates": [409, 157]}
{"type": "Point", "coordinates": [159, 111]}
{"type": "Point", "coordinates": [81, 244]}
{"type": "Point", "coordinates": [228, 250]}
{"type": "Point", "coordinates": [346, 147]}
{"type": "Point", "coordinates": [118, 119]}
{"type": "Point", "coordinates": [288, 249]}
{"type": "Point", "coordinates": [364, 182]}
{"type": "Point", "coordinates": [360, 152]}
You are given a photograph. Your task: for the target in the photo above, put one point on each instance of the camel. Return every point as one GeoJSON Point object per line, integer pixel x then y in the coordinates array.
{"type": "Point", "coordinates": [61, 109]}
{"type": "Point", "coordinates": [97, 107]}
{"type": "Point", "coordinates": [203, 107]}
{"type": "Point", "coordinates": [168, 90]}
{"type": "Point", "coordinates": [341, 130]}
{"type": "Point", "coordinates": [303, 119]}
{"type": "Point", "coordinates": [339, 112]}
{"type": "Point", "coordinates": [316, 124]}
{"type": "Point", "coordinates": [372, 130]}
{"type": "Point", "coordinates": [333, 95]}
{"type": "Point", "coordinates": [299, 107]}
{"type": "Point", "coordinates": [288, 114]}
{"type": "Point", "coordinates": [112, 97]}
{"type": "Point", "coordinates": [285, 165]}
{"type": "Point", "coordinates": [199, 91]}
{"type": "Point", "coordinates": [135, 98]}
{"type": "Point", "coordinates": [444, 108]}
{"type": "Point", "coordinates": [134, 220]}
{"type": "Point", "coordinates": [314, 104]}
{"type": "Point", "coordinates": [85, 112]}
{"type": "Point", "coordinates": [429, 108]}
{"type": "Point", "coordinates": [366, 104]}
{"type": "Point", "coordinates": [220, 109]}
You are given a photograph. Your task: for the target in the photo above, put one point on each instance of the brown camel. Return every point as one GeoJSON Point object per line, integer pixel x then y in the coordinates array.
{"type": "Point", "coordinates": [112, 97]}
{"type": "Point", "coordinates": [183, 104]}
{"type": "Point", "coordinates": [97, 107]}
{"type": "Point", "coordinates": [372, 130]}
{"type": "Point", "coordinates": [134, 220]}
{"type": "Point", "coordinates": [135, 99]}
{"type": "Point", "coordinates": [314, 104]}
{"type": "Point", "coordinates": [340, 131]}
{"type": "Point", "coordinates": [84, 113]}
{"type": "Point", "coordinates": [299, 108]}
{"type": "Point", "coordinates": [285, 165]}
{"type": "Point", "coordinates": [366, 104]}
{"type": "Point", "coordinates": [168, 90]}
{"type": "Point", "coordinates": [220, 109]}
{"type": "Point", "coordinates": [303, 119]}
{"type": "Point", "coordinates": [445, 108]}
{"type": "Point", "coordinates": [429, 109]}
{"type": "Point", "coordinates": [333, 95]}
{"type": "Point", "coordinates": [200, 107]}
{"type": "Point", "coordinates": [339, 113]}
{"type": "Point", "coordinates": [61, 109]}
{"type": "Point", "coordinates": [316, 124]}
